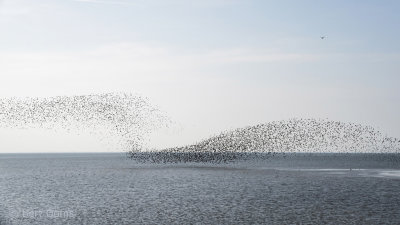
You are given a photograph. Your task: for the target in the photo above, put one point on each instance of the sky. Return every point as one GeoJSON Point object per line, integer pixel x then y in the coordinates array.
{"type": "Point", "coordinates": [211, 65]}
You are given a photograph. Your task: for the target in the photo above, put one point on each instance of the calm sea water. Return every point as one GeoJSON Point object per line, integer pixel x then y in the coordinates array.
{"type": "Point", "coordinates": [111, 189]}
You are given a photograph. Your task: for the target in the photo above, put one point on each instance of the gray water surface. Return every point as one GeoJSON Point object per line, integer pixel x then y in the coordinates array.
{"type": "Point", "coordinates": [108, 188]}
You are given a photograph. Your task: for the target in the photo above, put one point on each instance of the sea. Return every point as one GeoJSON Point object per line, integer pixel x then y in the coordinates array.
{"type": "Point", "coordinates": [110, 188]}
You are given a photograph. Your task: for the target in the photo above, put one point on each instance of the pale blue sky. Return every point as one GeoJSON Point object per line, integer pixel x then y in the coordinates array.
{"type": "Point", "coordinates": [211, 64]}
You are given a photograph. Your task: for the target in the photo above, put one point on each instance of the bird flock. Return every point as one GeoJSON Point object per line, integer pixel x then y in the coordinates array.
{"type": "Point", "coordinates": [266, 140]}
{"type": "Point", "coordinates": [132, 118]}
{"type": "Point", "coordinates": [125, 116]}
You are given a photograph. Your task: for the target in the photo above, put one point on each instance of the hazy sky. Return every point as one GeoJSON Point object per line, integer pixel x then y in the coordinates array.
{"type": "Point", "coordinates": [211, 65]}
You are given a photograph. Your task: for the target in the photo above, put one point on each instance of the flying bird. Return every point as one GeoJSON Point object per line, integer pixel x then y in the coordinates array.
{"type": "Point", "coordinates": [323, 37]}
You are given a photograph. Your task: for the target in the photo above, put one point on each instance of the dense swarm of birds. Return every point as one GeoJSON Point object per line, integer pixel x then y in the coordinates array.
{"type": "Point", "coordinates": [125, 116]}
{"type": "Point", "coordinates": [131, 118]}
{"type": "Point", "coordinates": [279, 137]}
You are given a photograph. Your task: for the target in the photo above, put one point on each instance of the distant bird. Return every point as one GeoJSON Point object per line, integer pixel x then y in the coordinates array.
{"type": "Point", "coordinates": [323, 37]}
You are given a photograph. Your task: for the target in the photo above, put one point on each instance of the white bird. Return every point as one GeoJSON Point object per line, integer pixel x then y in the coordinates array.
{"type": "Point", "coordinates": [323, 37]}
